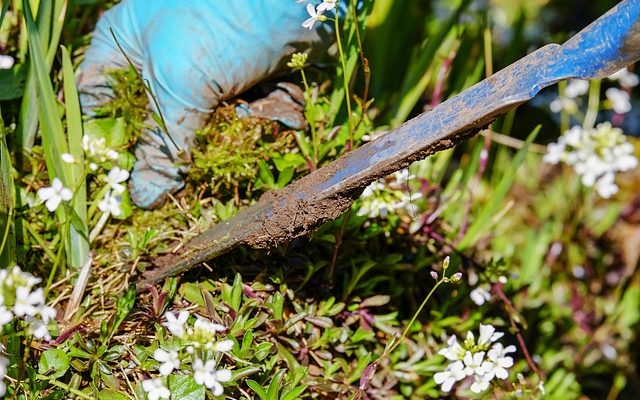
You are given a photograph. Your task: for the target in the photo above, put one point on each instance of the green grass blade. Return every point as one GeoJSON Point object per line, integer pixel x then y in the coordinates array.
{"type": "Point", "coordinates": [78, 240]}
{"type": "Point", "coordinates": [483, 220]}
{"type": "Point", "coordinates": [49, 23]}
{"type": "Point", "coordinates": [7, 204]}
{"type": "Point", "coordinates": [415, 83]}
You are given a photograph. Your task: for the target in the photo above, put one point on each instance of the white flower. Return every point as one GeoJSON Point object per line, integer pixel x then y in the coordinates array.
{"type": "Point", "coordinates": [499, 361]}
{"type": "Point", "coordinates": [203, 333]}
{"type": "Point", "coordinates": [68, 158]}
{"type": "Point", "coordinates": [595, 154]}
{"type": "Point", "coordinates": [480, 384]}
{"type": "Point", "coordinates": [453, 373]}
{"type": "Point", "coordinates": [204, 373]}
{"type": "Point", "coordinates": [174, 324]}
{"type": "Point", "coordinates": [115, 177]}
{"type": "Point", "coordinates": [4, 363]}
{"type": "Point", "coordinates": [473, 363]}
{"type": "Point", "coordinates": [111, 203]}
{"type": "Point", "coordinates": [563, 104]}
{"type": "Point", "coordinates": [39, 329]}
{"type": "Point", "coordinates": [27, 303]}
{"type": "Point", "coordinates": [619, 99]}
{"type": "Point", "coordinates": [626, 78]}
{"type": "Point", "coordinates": [606, 186]}
{"type": "Point", "coordinates": [54, 195]}
{"type": "Point", "coordinates": [155, 389]}
{"type": "Point", "coordinates": [576, 88]}
{"type": "Point", "coordinates": [223, 346]}
{"type": "Point", "coordinates": [488, 335]}
{"type": "Point", "coordinates": [168, 360]}
{"type": "Point", "coordinates": [327, 5]}
{"type": "Point", "coordinates": [6, 315]}
{"type": "Point", "coordinates": [480, 295]}
{"type": "Point", "coordinates": [314, 16]}
{"type": "Point", "coordinates": [453, 351]}
{"type": "Point", "coordinates": [6, 62]}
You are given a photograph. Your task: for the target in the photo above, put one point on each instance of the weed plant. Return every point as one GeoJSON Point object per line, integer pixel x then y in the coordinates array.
{"type": "Point", "coordinates": [405, 296]}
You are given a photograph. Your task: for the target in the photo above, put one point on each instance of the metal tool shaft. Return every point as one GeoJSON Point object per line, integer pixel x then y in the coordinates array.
{"type": "Point", "coordinates": [604, 47]}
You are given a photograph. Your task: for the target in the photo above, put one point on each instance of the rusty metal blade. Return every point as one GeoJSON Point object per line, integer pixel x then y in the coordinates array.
{"type": "Point", "coordinates": [604, 47]}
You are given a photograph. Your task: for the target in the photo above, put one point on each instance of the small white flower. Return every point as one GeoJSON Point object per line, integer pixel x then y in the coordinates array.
{"type": "Point", "coordinates": [155, 389]}
{"type": "Point", "coordinates": [327, 5]}
{"type": "Point", "coordinates": [204, 373]}
{"type": "Point", "coordinates": [174, 324]}
{"type": "Point", "coordinates": [168, 360]}
{"type": "Point", "coordinates": [480, 295]}
{"type": "Point", "coordinates": [576, 88]}
{"type": "Point", "coordinates": [314, 16]}
{"type": "Point", "coordinates": [626, 78]}
{"type": "Point", "coordinates": [499, 361]}
{"type": "Point", "coordinates": [54, 195]}
{"type": "Point", "coordinates": [6, 315]}
{"type": "Point", "coordinates": [480, 384]}
{"type": "Point", "coordinates": [606, 186]}
{"type": "Point", "coordinates": [27, 303]}
{"type": "Point", "coordinates": [453, 373]}
{"type": "Point", "coordinates": [453, 351]}
{"type": "Point", "coordinates": [473, 363]}
{"type": "Point", "coordinates": [488, 335]}
{"type": "Point", "coordinates": [6, 62]}
{"type": "Point", "coordinates": [68, 158]}
{"type": "Point", "coordinates": [111, 203]}
{"type": "Point", "coordinates": [39, 329]}
{"type": "Point", "coordinates": [563, 104]}
{"type": "Point", "coordinates": [223, 346]}
{"type": "Point", "coordinates": [115, 177]}
{"type": "Point", "coordinates": [619, 99]}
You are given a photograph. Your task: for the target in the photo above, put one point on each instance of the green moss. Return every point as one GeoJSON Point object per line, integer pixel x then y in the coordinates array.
{"type": "Point", "coordinates": [229, 150]}
{"type": "Point", "coordinates": [129, 102]}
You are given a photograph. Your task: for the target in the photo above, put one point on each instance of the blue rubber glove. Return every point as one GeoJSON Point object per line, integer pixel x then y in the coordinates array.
{"type": "Point", "coordinates": [194, 54]}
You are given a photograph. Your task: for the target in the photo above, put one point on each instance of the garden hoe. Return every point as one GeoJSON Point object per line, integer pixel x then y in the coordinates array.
{"type": "Point", "coordinates": [609, 44]}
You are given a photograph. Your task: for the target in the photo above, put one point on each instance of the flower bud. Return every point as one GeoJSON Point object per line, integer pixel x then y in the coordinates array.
{"type": "Point", "coordinates": [434, 275]}
{"type": "Point", "coordinates": [445, 263]}
{"type": "Point", "coordinates": [456, 277]}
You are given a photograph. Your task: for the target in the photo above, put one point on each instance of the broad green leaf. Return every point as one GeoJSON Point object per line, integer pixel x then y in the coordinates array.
{"type": "Point", "coordinates": [183, 387]}
{"type": "Point", "coordinates": [257, 389]}
{"type": "Point", "coordinates": [53, 363]}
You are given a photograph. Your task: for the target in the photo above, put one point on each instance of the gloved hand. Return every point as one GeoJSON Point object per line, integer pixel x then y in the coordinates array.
{"type": "Point", "coordinates": [194, 54]}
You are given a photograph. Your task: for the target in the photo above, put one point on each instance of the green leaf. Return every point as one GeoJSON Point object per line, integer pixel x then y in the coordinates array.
{"type": "Point", "coordinates": [53, 363]}
{"type": "Point", "coordinates": [294, 393]}
{"type": "Point", "coordinates": [110, 394]}
{"type": "Point", "coordinates": [236, 293]}
{"type": "Point", "coordinates": [274, 387]}
{"type": "Point", "coordinates": [257, 389]}
{"type": "Point", "coordinates": [183, 387]}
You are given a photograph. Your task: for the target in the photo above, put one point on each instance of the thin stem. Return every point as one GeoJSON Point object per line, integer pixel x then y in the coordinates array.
{"type": "Point", "coordinates": [310, 117]}
{"type": "Point", "coordinates": [64, 386]}
{"type": "Point", "coordinates": [594, 105]}
{"type": "Point", "coordinates": [343, 62]}
{"type": "Point", "coordinates": [5, 234]}
{"type": "Point", "coordinates": [147, 88]}
{"type": "Point", "coordinates": [417, 313]}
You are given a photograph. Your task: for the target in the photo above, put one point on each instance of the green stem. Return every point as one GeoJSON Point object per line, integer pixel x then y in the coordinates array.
{"type": "Point", "coordinates": [343, 62]}
{"type": "Point", "coordinates": [310, 117]}
{"type": "Point", "coordinates": [594, 105]}
{"type": "Point", "coordinates": [415, 315]}
{"type": "Point", "coordinates": [64, 386]}
{"type": "Point", "coordinates": [5, 234]}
